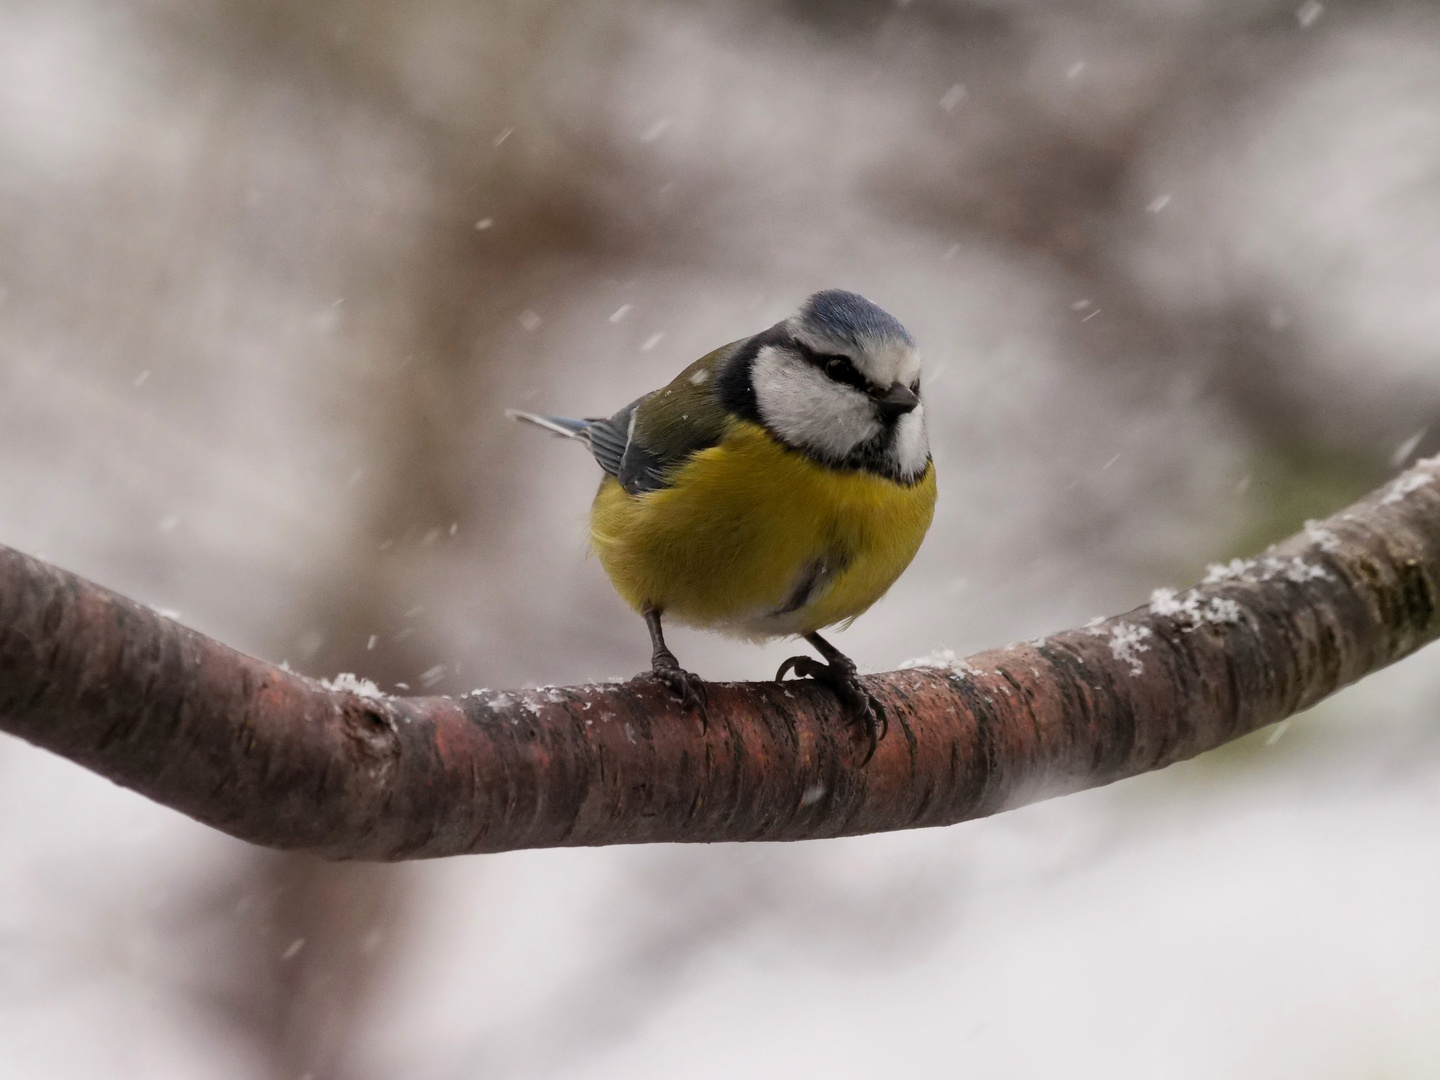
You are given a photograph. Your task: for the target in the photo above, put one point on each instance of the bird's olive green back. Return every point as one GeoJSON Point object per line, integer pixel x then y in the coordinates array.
{"type": "Point", "coordinates": [673, 423]}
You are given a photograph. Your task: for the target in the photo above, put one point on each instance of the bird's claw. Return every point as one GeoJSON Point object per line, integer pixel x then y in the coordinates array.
{"type": "Point", "coordinates": [843, 680]}
{"type": "Point", "coordinates": [685, 687]}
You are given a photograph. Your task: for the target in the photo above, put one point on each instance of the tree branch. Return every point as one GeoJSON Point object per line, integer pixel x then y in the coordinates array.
{"type": "Point", "coordinates": [282, 760]}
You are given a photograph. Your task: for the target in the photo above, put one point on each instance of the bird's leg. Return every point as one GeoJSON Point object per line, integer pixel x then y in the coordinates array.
{"type": "Point", "coordinates": [688, 689]}
{"type": "Point", "coordinates": [840, 675]}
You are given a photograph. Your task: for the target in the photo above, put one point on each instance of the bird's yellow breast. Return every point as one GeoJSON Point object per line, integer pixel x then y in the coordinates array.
{"type": "Point", "coordinates": [758, 540]}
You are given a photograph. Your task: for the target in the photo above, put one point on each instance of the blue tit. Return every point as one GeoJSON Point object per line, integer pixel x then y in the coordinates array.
{"type": "Point", "coordinates": [777, 486]}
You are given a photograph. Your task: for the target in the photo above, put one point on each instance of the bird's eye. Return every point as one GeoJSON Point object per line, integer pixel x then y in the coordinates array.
{"type": "Point", "coordinates": [842, 370]}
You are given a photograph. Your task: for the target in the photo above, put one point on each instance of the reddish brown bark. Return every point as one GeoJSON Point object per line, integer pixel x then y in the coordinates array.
{"type": "Point", "coordinates": [281, 760]}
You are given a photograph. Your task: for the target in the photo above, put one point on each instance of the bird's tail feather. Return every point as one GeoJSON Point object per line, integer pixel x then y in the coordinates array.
{"type": "Point", "coordinates": [556, 425]}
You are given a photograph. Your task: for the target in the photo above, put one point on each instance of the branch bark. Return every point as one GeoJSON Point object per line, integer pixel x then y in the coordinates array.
{"type": "Point", "coordinates": [279, 759]}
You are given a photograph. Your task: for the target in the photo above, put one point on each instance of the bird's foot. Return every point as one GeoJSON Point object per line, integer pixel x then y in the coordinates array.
{"type": "Point", "coordinates": [840, 675]}
{"type": "Point", "coordinates": [686, 687]}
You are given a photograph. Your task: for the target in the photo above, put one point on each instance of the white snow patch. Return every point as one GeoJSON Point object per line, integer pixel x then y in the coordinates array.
{"type": "Point", "coordinates": [1221, 610]}
{"type": "Point", "coordinates": [1322, 537]}
{"type": "Point", "coordinates": [1296, 570]}
{"type": "Point", "coordinates": [1404, 486]}
{"type": "Point", "coordinates": [1127, 642]}
{"type": "Point", "coordinates": [1165, 602]}
{"type": "Point", "coordinates": [354, 684]}
{"type": "Point", "coordinates": [1193, 609]}
{"type": "Point", "coordinates": [1266, 568]}
{"type": "Point", "coordinates": [1234, 570]}
{"type": "Point", "coordinates": [942, 658]}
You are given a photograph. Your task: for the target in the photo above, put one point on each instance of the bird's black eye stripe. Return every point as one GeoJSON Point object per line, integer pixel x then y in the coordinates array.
{"type": "Point", "coordinates": [837, 367]}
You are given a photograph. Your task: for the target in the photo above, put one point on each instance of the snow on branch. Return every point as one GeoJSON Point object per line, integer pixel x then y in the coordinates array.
{"type": "Point", "coordinates": [344, 770]}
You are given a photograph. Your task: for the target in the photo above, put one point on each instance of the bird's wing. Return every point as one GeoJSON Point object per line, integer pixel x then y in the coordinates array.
{"type": "Point", "coordinates": [671, 424]}
{"type": "Point", "coordinates": [643, 443]}
{"type": "Point", "coordinates": [608, 438]}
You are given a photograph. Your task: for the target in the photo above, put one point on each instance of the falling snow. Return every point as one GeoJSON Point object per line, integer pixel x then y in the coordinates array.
{"type": "Point", "coordinates": [1406, 448]}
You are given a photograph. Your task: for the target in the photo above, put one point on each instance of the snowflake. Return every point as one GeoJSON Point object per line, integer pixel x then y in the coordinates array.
{"type": "Point", "coordinates": [1127, 642]}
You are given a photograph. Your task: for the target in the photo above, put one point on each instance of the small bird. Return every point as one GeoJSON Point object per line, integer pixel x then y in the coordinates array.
{"type": "Point", "coordinates": [777, 486]}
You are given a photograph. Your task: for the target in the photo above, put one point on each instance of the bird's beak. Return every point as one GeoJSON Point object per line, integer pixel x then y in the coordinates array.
{"type": "Point", "coordinates": [897, 401]}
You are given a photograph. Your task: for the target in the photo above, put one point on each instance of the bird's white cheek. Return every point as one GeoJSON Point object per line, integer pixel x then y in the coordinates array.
{"type": "Point", "coordinates": [912, 446]}
{"type": "Point", "coordinates": [806, 409]}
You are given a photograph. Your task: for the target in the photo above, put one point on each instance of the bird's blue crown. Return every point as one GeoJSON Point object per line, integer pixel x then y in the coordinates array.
{"type": "Point", "coordinates": [848, 316]}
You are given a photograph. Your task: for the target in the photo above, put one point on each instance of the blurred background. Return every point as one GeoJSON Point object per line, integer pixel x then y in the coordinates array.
{"type": "Point", "coordinates": [270, 272]}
